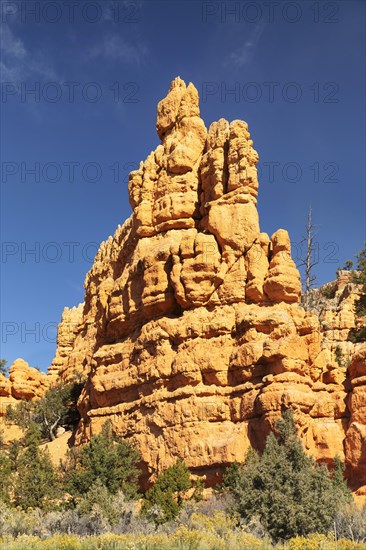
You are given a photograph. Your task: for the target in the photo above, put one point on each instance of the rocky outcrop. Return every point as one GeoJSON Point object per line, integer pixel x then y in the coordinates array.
{"type": "Point", "coordinates": [192, 337]}
{"type": "Point", "coordinates": [68, 329]}
{"type": "Point", "coordinates": [356, 434]}
{"type": "Point", "coordinates": [24, 383]}
{"type": "Point", "coordinates": [334, 304]}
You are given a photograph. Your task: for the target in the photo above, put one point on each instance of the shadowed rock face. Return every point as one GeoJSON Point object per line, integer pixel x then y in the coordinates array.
{"type": "Point", "coordinates": [192, 335]}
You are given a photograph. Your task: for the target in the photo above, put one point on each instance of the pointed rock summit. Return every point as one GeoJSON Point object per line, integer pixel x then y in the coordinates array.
{"type": "Point", "coordinates": [206, 183]}
{"type": "Point", "coordinates": [191, 337]}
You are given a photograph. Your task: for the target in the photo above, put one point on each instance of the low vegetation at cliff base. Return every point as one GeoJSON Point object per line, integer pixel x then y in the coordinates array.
{"type": "Point", "coordinates": [92, 500]}
{"type": "Point", "coordinates": [164, 500]}
{"type": "Point", "coordinates": [107, 460]}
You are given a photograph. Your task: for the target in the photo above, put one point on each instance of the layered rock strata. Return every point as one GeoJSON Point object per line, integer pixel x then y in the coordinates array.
{"type": "Point", "coordinates": [61, 368]}
{"type": "Point", "coordinates": [24, 383]}
{"type": "Point", "coordinates": [192, 337]}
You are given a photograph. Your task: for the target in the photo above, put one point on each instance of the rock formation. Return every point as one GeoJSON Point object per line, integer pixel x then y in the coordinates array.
{"type": "Point", "coordinates": [24, 383]}
{"type": "Point", "coordinates": [69, 327]}
{"type": "Point", "coordinates": [355, 442]}
{"type": "Point", "coordinates": [192, 336]}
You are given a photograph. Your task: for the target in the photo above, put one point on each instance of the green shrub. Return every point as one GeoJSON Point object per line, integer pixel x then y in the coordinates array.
{"type": "Point", "coordinates": [218, 530]}
{"type": "Point", "coordinates": [108, 459]}
{"type": "Point", "coordinates": [99, 499]}
{"type": "Point", "coordinates": [5, 476]}
{"type": "Point", "coordinates": [340, 359]}
{"type": "Point", "coordinates": [328, 291]}
{"type": "Point", "coordinates": [360, 306]}
{"type": "Point", "coordinates": [36, 484]}
{"type": "Point", "coordinates": [351, 523]}
{"type": "Point", "coordinates": [164, 500]}
{"type": "Point", "coordinates": [357, 335]}
{"type": "Point", "coordinates": [57, 407]}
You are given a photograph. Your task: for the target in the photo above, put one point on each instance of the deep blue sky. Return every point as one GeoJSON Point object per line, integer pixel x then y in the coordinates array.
{"type": "Point", "coordinates": [298, 69]}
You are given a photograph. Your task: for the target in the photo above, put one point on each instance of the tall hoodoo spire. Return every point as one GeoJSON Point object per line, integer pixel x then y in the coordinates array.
{"type": "Point", "coordinates": [206, 182]}
{"type": "Point", "coordinates": [192, 335]}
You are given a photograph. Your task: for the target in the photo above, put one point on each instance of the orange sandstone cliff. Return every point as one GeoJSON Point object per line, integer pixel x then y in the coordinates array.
{"type": "Point", "coordinates": [192, 337]}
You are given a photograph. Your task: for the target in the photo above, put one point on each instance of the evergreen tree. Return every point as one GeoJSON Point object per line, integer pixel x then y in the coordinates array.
{"type": "Point", "coordinates": [3, 368]}
{"type": "Point", "coordinates": [343, 495]}
{"type": "Point", "coordinates": [360, 277]}
{"type": "Point", "coordinates": [290, 493]}
{"type": "Point", "coordinates": [358, 334]}
{"type": "Point", "coordinates": [35, 483]}
{"type": "Point", "coordinates": [165, 497]}
{"type": "Point", "coordinates": [106, 458]}
{"type": "Point", "coordinates": [57, 407]}
{"type": "Point", "coordinates": [99, 498]}
{"type": "Point", "coordinates": [5, 476]}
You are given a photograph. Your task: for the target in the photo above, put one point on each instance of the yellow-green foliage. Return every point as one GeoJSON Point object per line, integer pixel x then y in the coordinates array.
{"type": "Point", "coordinates": [322, 542]}
{"type": "Point", "coordinates": [218, 523]}
{"type": "Point", "coordinates": [182, 539]}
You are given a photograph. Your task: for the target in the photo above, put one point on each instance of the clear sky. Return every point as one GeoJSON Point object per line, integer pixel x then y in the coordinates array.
{"type": "Point", "coordinates": [80, 84]}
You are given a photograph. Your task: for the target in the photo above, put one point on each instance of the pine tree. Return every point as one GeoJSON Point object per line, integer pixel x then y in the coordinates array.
{"type": "Point", "coordinates": [343, 494]}
{"type": "Point", "coordinates": [360, 277]}
{"type": "Point", "coordinates": [291, 494]}
{"type": "Point", "coordinates": [106, 458]}
{"type": "Point", "coordinates": [166, 496]}
{"type": "Point", "coordinates": [5, 476]}
{"type": "Point", "coordinates": [56, 407]}
{"type": "Point", "coordinates": [35, 483]}
{"type": "Point", "coordinates": [3, 368]}
{"type": "Point", "coordinates": [358, 334]}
